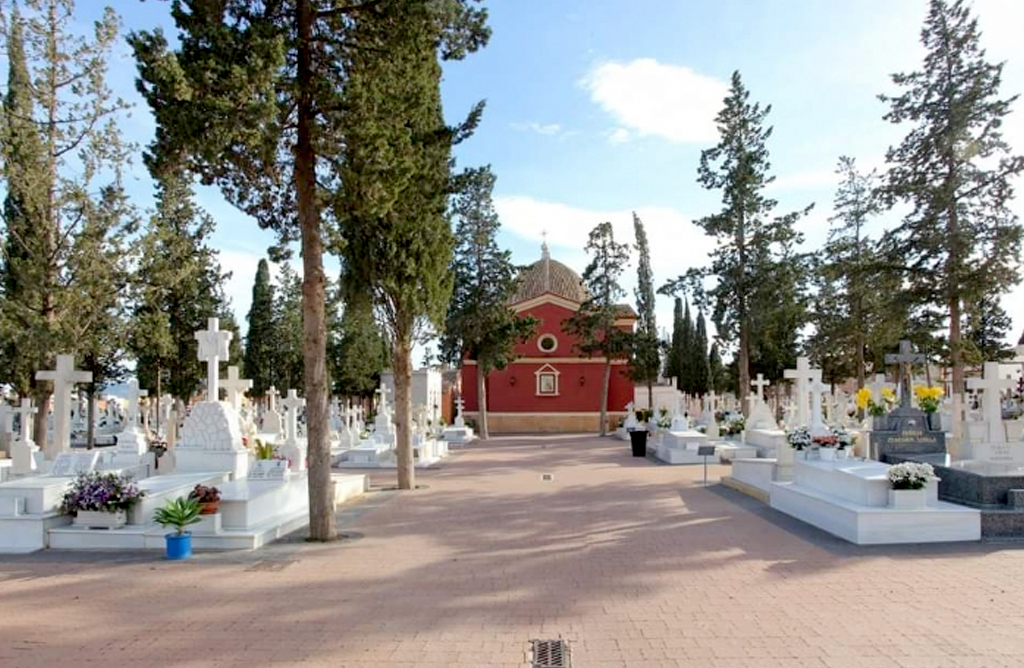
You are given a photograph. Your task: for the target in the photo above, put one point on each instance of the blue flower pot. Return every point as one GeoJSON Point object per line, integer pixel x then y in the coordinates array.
{"type": "Point", "coordinates": [179, 547]}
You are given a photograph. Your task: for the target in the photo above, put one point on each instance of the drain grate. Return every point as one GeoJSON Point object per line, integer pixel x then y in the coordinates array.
{"type": "Point", "coordinates": [551, 654]}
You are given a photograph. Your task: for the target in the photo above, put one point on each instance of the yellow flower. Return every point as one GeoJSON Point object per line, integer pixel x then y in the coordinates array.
{"type": "Point", "coordinates": [863, 398]}
{"type": "Point", "coordinates": [889, 395]}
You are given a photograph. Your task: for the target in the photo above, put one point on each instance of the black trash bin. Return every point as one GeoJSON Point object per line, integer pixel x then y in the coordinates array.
{"type": "Point", "coordinates": [638, 441]}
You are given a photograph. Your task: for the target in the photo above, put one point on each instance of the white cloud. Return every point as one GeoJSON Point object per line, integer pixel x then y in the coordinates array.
{"type": "Point", "coordinates": [548, 129]}
{"type": "Point", "coordinates": [653, 98]}
{"type": "Point", "coordinates": [807, 180]}
{"type": "Point", "coordinates": [618, 136]}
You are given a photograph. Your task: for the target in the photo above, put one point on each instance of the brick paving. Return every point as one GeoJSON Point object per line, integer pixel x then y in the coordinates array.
{"type": "Point", "coordinates": [636, 564]}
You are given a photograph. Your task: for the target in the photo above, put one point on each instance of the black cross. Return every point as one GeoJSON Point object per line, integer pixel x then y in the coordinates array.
{"type": "Point", "coordinates": [905, 358]}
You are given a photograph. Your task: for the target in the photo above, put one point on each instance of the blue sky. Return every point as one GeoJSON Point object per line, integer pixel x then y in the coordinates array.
{"type": "Point", "coordinates": [597, 109]}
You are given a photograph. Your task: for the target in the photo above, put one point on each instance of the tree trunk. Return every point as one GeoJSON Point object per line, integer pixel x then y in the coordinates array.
{"type": "Point", "coordinates": [41, 436]}
{"type": "Point", "coordinates": [403, 410]}
{"type": "Point", "coordinates": [861, 339]}
{"type": "Point", "coordinates": [481, 393]}
{"type": "Point", "coordinates": [90, 425]}
{"type": "Point", "coordinates": [650, 394]}
{"type": "Point", "coordinates": [322, 523]}
{"type": "Point", "coordinates": [742, 360]}
{"type": "Point", "coordinates": [604, 394]}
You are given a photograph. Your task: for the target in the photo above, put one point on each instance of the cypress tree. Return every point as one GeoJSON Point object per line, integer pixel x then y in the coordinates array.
{"type": "Point", "coordinates": [686, 361]}
{"type": "Point", "coordinates": [358, 352]}
{"type": "Point", "coordinates": [259, 340]}
{"type": "Point", "coordinates": [674, 365]}
{"type": "Point", "coordinates": [960, 242]}
{"type": "Point", "coordinates": [288, 369]}
{"type": "Point", "coordinates": [719, 375]}
{"type": "Point", "coordinates": [646, 347]}
{"type": "Point", "coordinates": [701, 361]}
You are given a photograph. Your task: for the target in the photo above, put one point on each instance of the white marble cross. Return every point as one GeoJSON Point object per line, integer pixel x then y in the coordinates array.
{"type": "Point", "coordinates": [235, 387]}
{"type": "Point", "coordinates": [804, 375]}
{"type": "Point", "coordinates": [26, 411]}
{"type": "Point", "coordinates": [64, 377]}
{"type": "Point", "coordinates": [272, 395]}
{"type": "Point", "coordinates": [134, 394]}
{"type": "Point", "coordinates": [817, 427]}
{"type": "Point", "coordinates": [460, 404]}
{"type": "Point", "coordinates": [292, 403]}
{"type": "Point", "coordinates": [760, 384]}
{"type": "Point", "coordinates": [213, 349]}
{"type": "Point", "coordinates": [991, 401]}
{"type": "Point", "coordinates": [383, 392]}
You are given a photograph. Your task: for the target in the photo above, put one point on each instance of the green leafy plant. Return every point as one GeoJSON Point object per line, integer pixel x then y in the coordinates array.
{"type": "Point", "coordinates": [264, 450]}
{"type": "Point", "coordinates": [178, 513]}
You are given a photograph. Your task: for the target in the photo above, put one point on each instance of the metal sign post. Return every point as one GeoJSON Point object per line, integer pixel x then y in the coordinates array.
{"type": "Point", "coordinates": [705, 451]}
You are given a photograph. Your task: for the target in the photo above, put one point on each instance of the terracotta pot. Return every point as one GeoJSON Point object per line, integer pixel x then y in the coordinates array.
{"type": "Point", "coordinates": [209, 508]}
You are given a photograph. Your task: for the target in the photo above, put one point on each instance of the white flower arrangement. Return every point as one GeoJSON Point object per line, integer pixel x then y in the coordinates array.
{"type": "Point", "coordinates": [799, 438]}
{"type": "Point", "coordinates": [844, 439]}
{"type": "Point", "coordinates": [910, 475]}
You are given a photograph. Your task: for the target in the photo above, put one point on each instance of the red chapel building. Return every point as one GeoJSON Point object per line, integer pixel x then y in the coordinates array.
{"type": "Point", "coordinates": [550, 387]}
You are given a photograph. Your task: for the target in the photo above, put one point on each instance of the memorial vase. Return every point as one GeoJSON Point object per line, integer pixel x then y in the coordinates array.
{"type": "Point", "coordinates": [908, 499]}
{"type": "Point", "coordinates": [101, 519]}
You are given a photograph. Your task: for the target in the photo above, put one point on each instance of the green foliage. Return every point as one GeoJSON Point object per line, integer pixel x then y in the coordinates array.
{"type": "Point", "coordinates": [960, 242]}
{"type": "Point", "coordinates": [259, 340]}
{"type": "Point", "coordinates": [178, 513]}
{"type": "Point", "coordinates": [176, 287]}
{"type": "Point", "coordinates": [64, 214]}
{"type": "Point", "coordinates": [357, 352]}
{"type": "Point", "coordinates": [594, 324]}
{"type": "Point", "coordinates": [753, 249]}
{"type": "Point", "coordinates": [480, 323]}
{"type": "Point", "coordinates": [719, 375]}
{"type": "Point", "coordinates": [263, 450]}
{"type": "Point", "coordinates": [987, 329]}
{"type": "Point", "coordinates": [646, 361]}
{"type": "Point", "coordinates": [685, 352]}
{"type": "Point", "coordinates": [286, 339]}
{"type": "Point", "coordinates": [699, 352]}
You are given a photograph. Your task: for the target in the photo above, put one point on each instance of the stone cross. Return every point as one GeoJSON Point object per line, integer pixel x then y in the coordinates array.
{"type": "Point", "coordinates": [64, 377]}
{"type": "Point", "coordinates": [213, 349]}
{"type": "Point", "coordinates": [292, 403]}
{"type": "Point", "coordinates": [26, 411]}
{"type": "Point", "coordinates": [991, 403]}
{"type": "Point", "coordinates": [460, 404]}
{"type": "Point", "coordinates": [383, 392]}
{"type": "Point", "coordinates": [817, 427]}
{"type": "Point", "coordinates": [760, 384]}
{"type": "Point", "coordinates": [803, 375]}
{"type": "Point", "coordinates": [905, 358]}
{"type": "Point", "coordinates": [134, 394]}
{"type": "Point", "coordinates": [235, 387]}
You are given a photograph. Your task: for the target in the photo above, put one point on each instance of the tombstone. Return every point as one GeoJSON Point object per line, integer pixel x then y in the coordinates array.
{"type": "Point", "coordinates": [71, 464]}
{"type": "Point", "coordinates": [291, 448]}
{"type": "Point", "coordinates": [458, 432]}
{"type": "Point", "coordinates": [460, 404]}
{"type": "Point", "coordinates": [804, 375]}
{"type": "Point", "coordinates": [817, 426]}
{"type": "Point", "coordinates": [23, 450]}
{"type": "Point", "coordinates": [908, 431]}
{"type": "Point", "coordinates": [759, 414]}
{"type": "Point", "coordinates": [269, 469]}
{"type": "Point", "coordinates": [6, 427]}
{"type": "Point", "coordinates": [993, 446]}
{"type": "Point", "coordinates": [64, 378]}
{"type": "Point", "coordinates": [271, 418]}
{"type": "Point", "coordinates": [235, 387]}
{"type": "Point", "coordinates": [211, 439]}
{"type": "Point", "coordinates": [131, 441]}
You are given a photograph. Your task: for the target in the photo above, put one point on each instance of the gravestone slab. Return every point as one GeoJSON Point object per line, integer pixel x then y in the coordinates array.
{"type": "Point", "coordinates": [907, 433]}
{"type": "Point", "coordinates": [68, 464]}
{"type": "Point", "coordinates": [269, 469]}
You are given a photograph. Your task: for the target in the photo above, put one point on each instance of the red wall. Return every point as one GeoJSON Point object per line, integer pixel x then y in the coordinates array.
{"type": "Point", "coordinates": [579, 383]}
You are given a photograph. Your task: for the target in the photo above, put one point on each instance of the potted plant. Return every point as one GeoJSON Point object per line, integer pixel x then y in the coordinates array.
{"type": "Point", "coordinates": [208, 498]}
{"type": "Point", "coordinates": [178, 513]}
{"type": "Point", "coordinates": [844, 442]}
{"type": "Point", "coordinates": [928, 400]}
{"type": "Point", "coordinates": [99, 499]}
{"type": "Point", "coordinates": [799, 438]}
{"type": "Point", "coordinates": [907, 483]}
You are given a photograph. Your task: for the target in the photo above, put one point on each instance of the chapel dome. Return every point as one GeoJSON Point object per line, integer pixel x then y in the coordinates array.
{"type": "Point", "coordinates": [549, 276]}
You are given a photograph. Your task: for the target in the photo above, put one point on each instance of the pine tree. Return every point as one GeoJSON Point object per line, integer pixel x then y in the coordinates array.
{"type": "Point", "coordinates": [701, 363]}
{"type": "Point", "coordinates": [259, 339]}
{"type": "Point", "coordinates": [646, 348]}
{"type": "Point", "coordinates": [62, 155]}
{"type": "Point", "coordinates": [594, 324]}
{"type": "Point", "coordinates": [396, 175]}
{"type": "Point", "coordinates": [750, 244]}
{"type": "Point", "coordinates": [258, 94]}
{"type": "Point", "coordinates": [176, 287]}
{"type": "Point", "coordinates": [987, 329]}
{"type": "Point", "coordinates": [480, 326]}
{"type": "Point", "coordinates": [960, 242]}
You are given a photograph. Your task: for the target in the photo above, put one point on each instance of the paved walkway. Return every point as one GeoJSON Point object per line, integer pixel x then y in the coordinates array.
{"type": "Point", "coordinates": [636, 564]}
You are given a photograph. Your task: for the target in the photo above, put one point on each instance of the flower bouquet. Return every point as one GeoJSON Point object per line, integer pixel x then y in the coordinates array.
{"type": "Point", "coordinates": [928, 397]}
{"type": "Point", "coordinates": [910, 475]}
{"type": "Point", "coordinates": [866, 401]}
{"type": "Point", "coordinates": [98, 491]}
{"type": "Point", "coordinates": [799, 438]}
